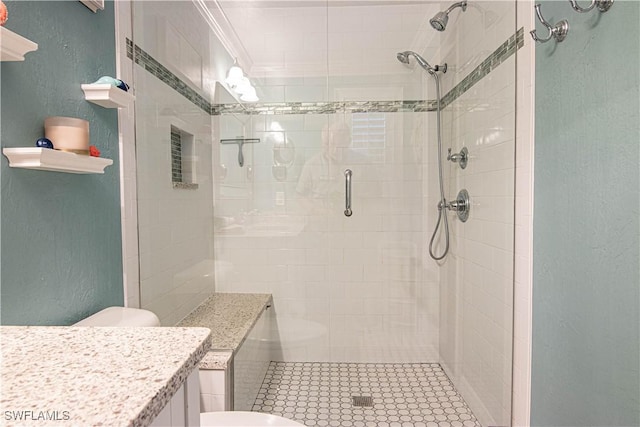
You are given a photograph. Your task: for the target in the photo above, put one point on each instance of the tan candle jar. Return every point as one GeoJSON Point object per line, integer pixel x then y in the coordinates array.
{"type": "Point", "coordinates": [68, 134]}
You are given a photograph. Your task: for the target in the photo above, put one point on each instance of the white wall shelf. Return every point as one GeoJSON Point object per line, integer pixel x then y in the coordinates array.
{"type": "Point", "coordinates": [13, 46]}
{"type": "Point", "coordinates": [54, 160]}
{"type": "Point", "coordinates": [94, 5]}
{"type": "Point", "coordinates": [107, 96]}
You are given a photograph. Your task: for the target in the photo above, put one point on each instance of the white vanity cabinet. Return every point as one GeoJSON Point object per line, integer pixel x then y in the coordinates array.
{"type": "Point", "coordinates": [184, 407]}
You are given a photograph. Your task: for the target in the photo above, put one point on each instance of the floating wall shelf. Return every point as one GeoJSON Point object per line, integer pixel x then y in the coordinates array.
{"type": "Point", "coordinates": [94, 5]}
{"type": "Point", "coordinates": [107, 96]}
{"type": "Point", "coordinates": [54, 160]}
{"type": "Point", "coordinates": [13, 46]}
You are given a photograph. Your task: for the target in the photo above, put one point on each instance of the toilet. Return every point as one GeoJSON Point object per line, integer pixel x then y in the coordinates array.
{"type": "Point", "coordinates": [121, 316]}
{"type": "Point", "coordinates": [244, 419]}
{"type": "Point", "coordinates": [135, 317]}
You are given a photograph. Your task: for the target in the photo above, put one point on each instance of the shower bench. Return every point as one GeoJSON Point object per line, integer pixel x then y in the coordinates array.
{"type": "Point", "coordinates": [232, 371]}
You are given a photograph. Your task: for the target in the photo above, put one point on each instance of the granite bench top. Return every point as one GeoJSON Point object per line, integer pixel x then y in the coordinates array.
{"type": "Point", "coordinates": [230, 318]}
{"type": "Point", "coordinates": [94, 375]}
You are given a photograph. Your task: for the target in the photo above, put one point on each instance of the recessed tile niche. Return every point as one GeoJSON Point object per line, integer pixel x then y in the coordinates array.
{"type": "Point", "coordinates": [183, 164]}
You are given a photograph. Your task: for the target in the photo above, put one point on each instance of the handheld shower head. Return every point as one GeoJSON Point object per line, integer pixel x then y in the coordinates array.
{"type": "Point", "coordinates": [440, 19]}
{"type": "Point", "coordinates": [404, 58]}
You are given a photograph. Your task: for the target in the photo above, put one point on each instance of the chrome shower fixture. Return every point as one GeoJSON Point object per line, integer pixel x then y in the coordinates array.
{"type": "Point", "coordinates": [404, 58]}
{"type": "Point", "coordinates": [461, 205]}
{"type": "Point", "coordinates": [461, 158]}
{"type": "Point", "coordinates": [601, 5]}
{"type": "Point", "coordinates": [439, 21]}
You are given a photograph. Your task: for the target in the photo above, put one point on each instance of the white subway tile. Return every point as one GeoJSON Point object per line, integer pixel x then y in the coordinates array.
{"type": "Point", "coordinates": [217, 403]}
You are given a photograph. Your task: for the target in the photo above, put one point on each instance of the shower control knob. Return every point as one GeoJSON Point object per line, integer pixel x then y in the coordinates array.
{"type": "Point", "coordinates": [462, 157]}
{"type": "Point", "coordinates": [462, 205]}
{"type": "Point", "coordinates": [457, 205]}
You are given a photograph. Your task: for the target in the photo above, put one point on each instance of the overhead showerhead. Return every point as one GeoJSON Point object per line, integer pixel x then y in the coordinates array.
{"type": "Point", "coordinates": [404, 58]}
{"type": "Point", "coordinates": [439, 21]}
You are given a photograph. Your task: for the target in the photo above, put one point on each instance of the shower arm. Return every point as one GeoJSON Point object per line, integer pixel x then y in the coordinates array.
{"type": "Point", "coordinates": [461, 4]}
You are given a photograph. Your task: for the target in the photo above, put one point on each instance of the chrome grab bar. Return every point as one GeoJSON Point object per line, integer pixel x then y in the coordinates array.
{"type": "Point", "coordinates": [347, 192]}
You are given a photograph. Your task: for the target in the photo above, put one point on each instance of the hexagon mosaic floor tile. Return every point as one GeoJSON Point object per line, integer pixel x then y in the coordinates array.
{"type": "Point", "coordinates": [363, 395]}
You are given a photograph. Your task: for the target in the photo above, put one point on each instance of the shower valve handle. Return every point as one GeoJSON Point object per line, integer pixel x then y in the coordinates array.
{"type": "Point", "coordinates": [457, 205]}
{"type": "Point", "coordinates": [461, 205]}
{"type": "Point", "coordinates": [453, 158]}
{"type": "Point", "coordinates": [462, 157]}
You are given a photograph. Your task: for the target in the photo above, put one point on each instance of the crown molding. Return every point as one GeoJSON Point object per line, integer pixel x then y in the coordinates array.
{"type": "Point", "coordinates": [214, 15]}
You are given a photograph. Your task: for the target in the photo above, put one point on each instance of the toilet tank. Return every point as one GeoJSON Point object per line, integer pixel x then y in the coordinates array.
{"type": "Point", "coordinates": [121, 316]}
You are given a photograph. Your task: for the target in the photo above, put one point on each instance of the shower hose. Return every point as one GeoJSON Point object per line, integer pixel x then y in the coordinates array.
{"type": "Point", "coordinates": [442, 214]}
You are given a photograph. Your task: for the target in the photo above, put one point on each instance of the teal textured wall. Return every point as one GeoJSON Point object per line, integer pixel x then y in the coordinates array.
{"type": "Point", "coordinates": [61, 237]}
{"type": "Point", "coordinates": [586, 287]}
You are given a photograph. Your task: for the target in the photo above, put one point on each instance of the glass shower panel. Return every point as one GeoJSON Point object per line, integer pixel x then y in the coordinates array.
{"type": "Point", "coordinates": [382, 309]}
{"type": "Point", "coordinates": [266, 238]}
{"type": "Point", "coordinates": [378, 307]}
{"type": "Point", "coordinates": [476, 277]}
{"type": "Point", "coordinates": [362, 288]}
{"type": "Point", "coordinates": [174, 136]}
{"type": "Point", "coordinates": [235, 180]}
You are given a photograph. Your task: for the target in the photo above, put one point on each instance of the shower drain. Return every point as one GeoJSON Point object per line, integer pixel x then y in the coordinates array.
{"type": "Point", "coordinates": [362, 401]}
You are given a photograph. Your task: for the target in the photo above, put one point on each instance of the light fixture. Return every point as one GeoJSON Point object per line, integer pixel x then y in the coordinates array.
{"type": "Point", "coordinates": [243, 85]}
{"type": "Point", "coordinates": [249, 95]}
{"type": "Point", "coordinates": [240, 84]}
{"type": "Point", "coordinates": [234, 75]}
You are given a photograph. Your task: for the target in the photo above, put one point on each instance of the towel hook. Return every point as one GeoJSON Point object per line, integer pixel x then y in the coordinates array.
{"type": "Point", "coordinates": [602, 5]}
{"type": "Point", "coordinates": [558, 31]}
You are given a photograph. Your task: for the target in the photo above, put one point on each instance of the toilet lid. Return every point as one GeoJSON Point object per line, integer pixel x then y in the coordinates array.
{"type": "Point", "coordinates": [245, 419]}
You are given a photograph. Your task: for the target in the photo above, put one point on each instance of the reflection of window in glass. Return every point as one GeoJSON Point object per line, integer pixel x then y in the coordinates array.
{"type": "Point", "coordinates": [368, 135]}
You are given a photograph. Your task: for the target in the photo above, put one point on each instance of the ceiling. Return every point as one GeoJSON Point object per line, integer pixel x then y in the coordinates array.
{"type": "Point", "coordinates": [273, 38]}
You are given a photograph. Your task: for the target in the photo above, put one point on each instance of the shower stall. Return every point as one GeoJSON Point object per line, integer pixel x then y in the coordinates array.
{"type": "Point", "coordinates": [337, 116]}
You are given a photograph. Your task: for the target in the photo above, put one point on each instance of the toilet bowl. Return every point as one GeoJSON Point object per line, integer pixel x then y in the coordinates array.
{"type": "Point", "coordinates": [128, 317]}
{"type": "Point", "coordinates": [244, 419]}
{"type": "Point", "coordinates": [121, 316]}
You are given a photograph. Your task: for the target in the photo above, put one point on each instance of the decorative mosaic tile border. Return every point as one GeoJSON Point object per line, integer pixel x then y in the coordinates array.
{"type": "Point", "coordinates": [149, 63]}
{"type": "Point", "coordinates": [176, 156]}
{"type": "Point", "coordinates": [501, 54]}
{"type": "Point", "coordinates": [324, 107]}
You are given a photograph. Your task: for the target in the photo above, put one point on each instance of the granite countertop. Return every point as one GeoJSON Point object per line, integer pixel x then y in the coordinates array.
{"type": "Point", "coordinates": [216, 360]}
{"type": "Point", "coordinates": [94, 375]}
{"type": "Point", "coordinates": [230, 318]}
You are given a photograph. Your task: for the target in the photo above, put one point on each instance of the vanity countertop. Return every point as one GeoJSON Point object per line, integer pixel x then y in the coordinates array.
{"type": "Point", "coordinates": [94, 375]}
{"type": "Point", "coordinates": [230, 318]}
